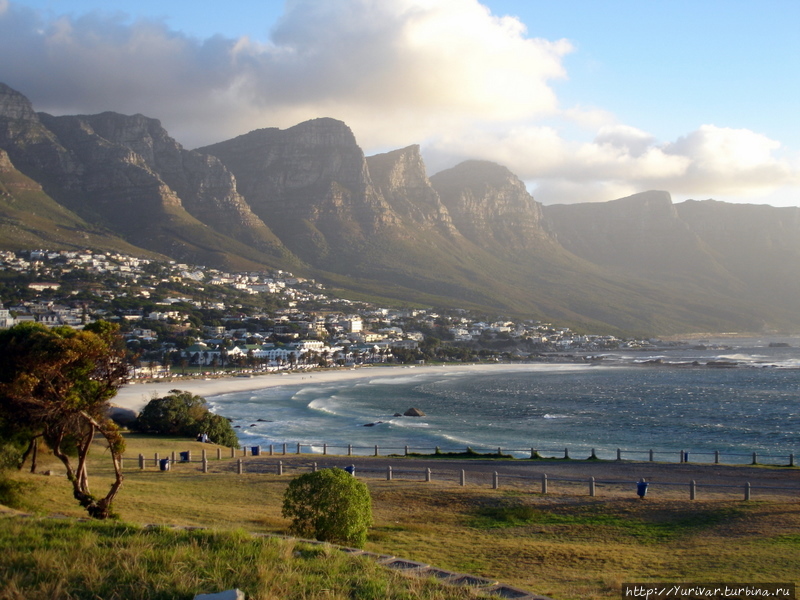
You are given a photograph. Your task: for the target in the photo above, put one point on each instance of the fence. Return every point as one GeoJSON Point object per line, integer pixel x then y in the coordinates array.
{"type": "Point", "coordinates": [540, 482]}
{"type": "Point", "coordinates": [682, 456]}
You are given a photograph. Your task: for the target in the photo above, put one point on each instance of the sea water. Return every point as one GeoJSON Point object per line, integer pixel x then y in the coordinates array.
{"type": "Point", "coordinates": [633, 401]}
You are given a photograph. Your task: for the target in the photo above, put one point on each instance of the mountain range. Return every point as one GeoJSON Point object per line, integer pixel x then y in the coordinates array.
{"type": "Point", "coordinates": [307, 199]}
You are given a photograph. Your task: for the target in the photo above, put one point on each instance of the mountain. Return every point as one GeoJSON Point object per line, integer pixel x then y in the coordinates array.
{"type": "Point", "coordinates": [307, 199]}
{"type": "Point", "coordinates": [114, 172]}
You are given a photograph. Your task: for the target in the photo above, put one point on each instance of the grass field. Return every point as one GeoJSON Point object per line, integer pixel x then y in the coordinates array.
{"type": "Point", "coordinates": [567, 546]}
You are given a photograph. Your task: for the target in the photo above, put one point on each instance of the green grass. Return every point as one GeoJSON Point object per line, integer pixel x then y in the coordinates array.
{"type": "Point", "coordinates": [71, 559]}
{"type": "Point", "coordinates": [567, 546]}
{"type": "Point", "coordinates": [647, 527]}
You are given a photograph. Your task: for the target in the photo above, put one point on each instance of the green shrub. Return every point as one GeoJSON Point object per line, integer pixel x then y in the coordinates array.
{"type": "Point", "coordinates": [185, 414]}
{"type": "Point", "coordinates": [329, 505]}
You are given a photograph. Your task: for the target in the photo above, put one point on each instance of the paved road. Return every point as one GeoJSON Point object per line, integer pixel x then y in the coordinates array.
{"type": "Point", "coordinates": [663, 477]}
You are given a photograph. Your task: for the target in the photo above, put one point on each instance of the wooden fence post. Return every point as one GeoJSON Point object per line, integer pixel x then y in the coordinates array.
{"type": "Point", "coordinates": [791, 459]}
{"type": "Point", "coordinates": [203, 457]}
{"type": "Point", "coordinates": [406, 451]}
{"type": "Point", "coordinates": [495, 481]}
{"type": "Point", "coordinates": [325, 449]}
{"type": "Point", "coordinates": [566, 453]}
{"type": "Point", "coordinates": [272, 449]}
{"type": "Point", "coordinates": [233, 452]}
{"type": "Point", "coordinates": [205, 465]}
{"type": "Point", "coordinates": [716, 457]}
{"type": "Point", "coordinates": [349, 449]}
{"type": "Point", "coordinates": [298, 447]}
{"type": "Point", "coordinates": [280, 467]}
{"type": "Point", "coordinates": [141, 461]}
{"type": "Point", "coordinates": [388, 473]}
{"type": "Point", "coordinates": [428, 474]}
{"type": "Point", "coordinates": [651, 455]}
{"type": "Point", "coordinates": [747, 491]}
{"type": "Point", "coordinates": [592, 491]}
{"type": "Point", "coordinates": [173, 457]}
{"type": "Point", "coordinates": [619, 453]}
{"type": "Point", "coordinates": [544, 483]}
{"type": "Point", "coordinates": [376, 449]}
{"type": "Point", "coordinates": [219, 453]}
{"type": "Point", "coordinates": [693, 490]}
{"type": "Point", "coordinates": [284, 448]}
{"type": "Point", "coordinates": [463, 478]}
{"type": "Point", "coordinates": [155, 460]}
{"type": "Point", "coordinates": [314, 468]}
{"type": "Point", "coordinates": [755, 458]}
{"type": "Point", "coordinates": [239, 466]}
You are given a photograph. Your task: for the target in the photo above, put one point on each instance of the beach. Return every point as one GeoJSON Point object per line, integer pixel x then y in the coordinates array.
{"type": "Point", "coordinates": [135, 396]}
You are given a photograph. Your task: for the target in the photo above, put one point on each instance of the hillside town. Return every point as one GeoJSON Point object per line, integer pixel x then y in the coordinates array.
{"type": "Point", "coordinates": [179, 319]}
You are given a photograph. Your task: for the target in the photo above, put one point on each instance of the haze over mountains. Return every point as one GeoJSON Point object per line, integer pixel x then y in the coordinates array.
{"type": "Point", "coordinates": [308, 200]}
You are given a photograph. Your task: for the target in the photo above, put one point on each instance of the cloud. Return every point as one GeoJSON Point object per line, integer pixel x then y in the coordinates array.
{"type": "Point", "coordinates": [394, 71]}
{"type": "Point", "coordinates": [731, 164]}
{"type": "Point", "coordinates": [447, 74]}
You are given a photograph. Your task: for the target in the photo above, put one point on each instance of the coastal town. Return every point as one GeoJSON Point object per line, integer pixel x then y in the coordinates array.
{"type": "Point", "coordinates": [180, 319]}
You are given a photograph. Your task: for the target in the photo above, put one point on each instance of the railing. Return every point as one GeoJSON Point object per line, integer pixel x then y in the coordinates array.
{"type": "Point", "coordinates": [682, 456]}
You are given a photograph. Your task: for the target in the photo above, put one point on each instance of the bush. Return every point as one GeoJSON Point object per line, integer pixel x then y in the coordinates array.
{"type": "Point", "coordinates": [185, 414]}
{"type": "Point", "coordinates": [329, 505]}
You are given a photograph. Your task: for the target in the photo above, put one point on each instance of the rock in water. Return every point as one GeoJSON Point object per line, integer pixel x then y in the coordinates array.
{"type": "Point", "coordinates": [414, 412]}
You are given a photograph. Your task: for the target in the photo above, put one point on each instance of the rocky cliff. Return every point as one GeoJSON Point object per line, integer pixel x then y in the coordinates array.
{"type": "Point", "coordinates": [401, 177]}
{"type": "Point", "coordinates": [491, 207]}
{"type": "Point", "coordinates": [203, 186]}
{"type": "Point", "coordinates": [312, 184]}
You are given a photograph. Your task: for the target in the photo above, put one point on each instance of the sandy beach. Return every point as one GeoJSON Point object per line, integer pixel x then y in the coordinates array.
{"type": "Point", "coordinates": [136, 396]}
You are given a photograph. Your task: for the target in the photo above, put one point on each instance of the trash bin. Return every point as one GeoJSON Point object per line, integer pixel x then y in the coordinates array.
{"type": "Point", "coordinates": [351, 469]}
{"type": "Point", "coordinates": [256, 450]}
{"type": "Point", "coordinates": [164, 464]}
{"type": "Point", "coordinates": [641, 488]}
{"type": "Point", "coordinates": [184, 457]}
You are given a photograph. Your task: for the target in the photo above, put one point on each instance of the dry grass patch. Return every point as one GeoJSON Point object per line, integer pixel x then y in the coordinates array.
{"type": "Point", "coordinates": [567, 546]}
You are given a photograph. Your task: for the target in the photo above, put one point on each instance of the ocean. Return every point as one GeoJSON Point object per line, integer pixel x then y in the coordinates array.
{"type": "Point", "coordinates": [668, 402]}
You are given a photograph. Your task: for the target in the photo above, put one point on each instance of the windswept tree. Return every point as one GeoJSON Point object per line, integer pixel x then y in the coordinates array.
{"type": "Point", "coordinates": [56, 384]}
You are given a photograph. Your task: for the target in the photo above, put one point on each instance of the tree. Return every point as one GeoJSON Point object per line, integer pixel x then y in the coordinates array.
{"type": "Point", "coordinates": [329, 505]}
{"type": "Point", "coordinates": [185, 414]}
{"type": "Point", "coordinates": [57, 383]}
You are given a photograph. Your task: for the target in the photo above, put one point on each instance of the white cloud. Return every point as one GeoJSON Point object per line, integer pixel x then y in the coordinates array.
{"type": "Point", "coordinates": [394, 71]}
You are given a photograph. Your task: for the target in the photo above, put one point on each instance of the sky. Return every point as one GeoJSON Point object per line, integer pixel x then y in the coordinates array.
{"type": "Point", "coordinates": [584, 100]}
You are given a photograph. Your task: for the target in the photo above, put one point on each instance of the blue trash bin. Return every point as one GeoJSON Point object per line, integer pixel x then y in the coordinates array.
{"type": "Point", "coordinates": [350, 469]}
{"type": "Point", "coordinates": [256, 450]}
{"type": "Point", "coordinates": [164, 464]}
{"type": "Point", "coordinates": [184, 457]}
{"type": "Point", "coordinates": [641, 488]}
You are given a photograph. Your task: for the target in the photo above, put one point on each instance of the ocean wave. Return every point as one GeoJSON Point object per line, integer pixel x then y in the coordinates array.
{"type": "Point", "coordinates": [325, 405]}
{"type": "Point", "coordinates": [743, 357]}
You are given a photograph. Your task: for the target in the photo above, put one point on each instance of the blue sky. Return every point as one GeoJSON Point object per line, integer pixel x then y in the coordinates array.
{"type": "Point", "coordinates": [583, 100]}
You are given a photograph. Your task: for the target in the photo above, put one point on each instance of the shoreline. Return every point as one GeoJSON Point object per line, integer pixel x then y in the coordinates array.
{"type": "Point", "coordinates": [134, 397]}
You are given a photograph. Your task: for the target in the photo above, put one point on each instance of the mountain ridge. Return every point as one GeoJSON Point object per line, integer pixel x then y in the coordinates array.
{"type": "Point", "coordinates": [306, 198]}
